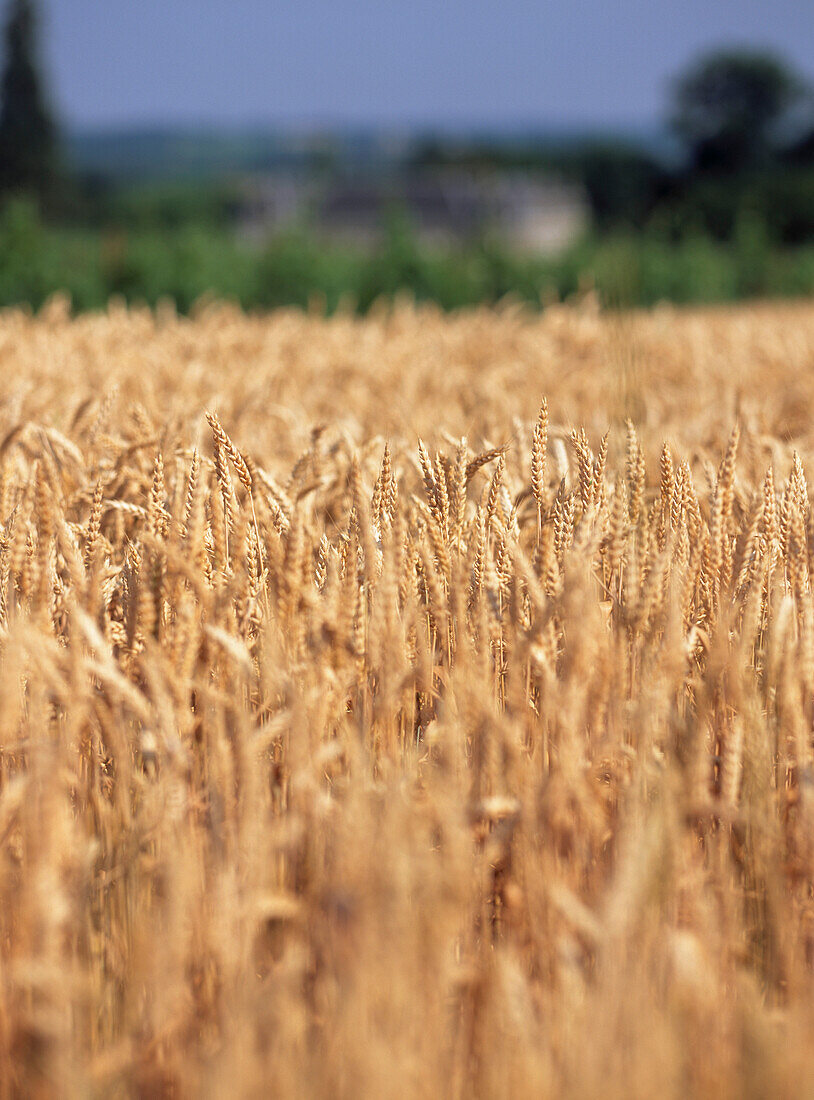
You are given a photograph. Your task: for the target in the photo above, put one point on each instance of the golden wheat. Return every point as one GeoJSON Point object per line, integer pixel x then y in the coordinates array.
{"type": "Point", "coordinates": [463, 745]}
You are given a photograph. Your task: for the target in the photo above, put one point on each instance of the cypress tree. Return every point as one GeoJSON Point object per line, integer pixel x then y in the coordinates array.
{"type": "Point", "coordinates": [28, 139]}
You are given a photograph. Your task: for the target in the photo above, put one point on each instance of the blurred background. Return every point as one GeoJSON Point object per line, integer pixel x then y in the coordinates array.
{"type": "Point", "coordinates": [330, 155]}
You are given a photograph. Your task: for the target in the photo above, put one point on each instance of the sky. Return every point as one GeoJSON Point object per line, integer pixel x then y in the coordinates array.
{"type": "Point", "coordinates": [393, 63]}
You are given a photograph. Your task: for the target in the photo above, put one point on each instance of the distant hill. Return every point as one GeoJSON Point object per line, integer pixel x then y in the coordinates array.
{"type": "Point", "coordinates": [170, 152]}
{"type": "Point", "coordinates": [157, 152]}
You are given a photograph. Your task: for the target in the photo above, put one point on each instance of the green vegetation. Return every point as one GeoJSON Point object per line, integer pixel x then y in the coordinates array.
{"type": "Point", "coordinates": [192, 261]}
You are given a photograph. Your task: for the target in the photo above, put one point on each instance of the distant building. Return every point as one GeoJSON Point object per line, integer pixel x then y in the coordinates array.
{"type": "Point", "coordinates": [528, 213]}
{"type": "Point", "coordinates": [272, 203]}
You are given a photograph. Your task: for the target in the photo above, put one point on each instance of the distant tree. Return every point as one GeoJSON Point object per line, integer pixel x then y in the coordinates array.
{"type": "Point", "coordinates": [801, 152]}
{"type": "Point", "coordinates": [28, 138]}
{"type": "Point", "coordinates": [623, 181]}
{"type": "Point", "coordinates": [729, 107]}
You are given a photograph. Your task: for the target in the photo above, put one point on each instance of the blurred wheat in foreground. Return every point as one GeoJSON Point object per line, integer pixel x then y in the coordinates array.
{"type": "Point", "coordinates": [407, 707]}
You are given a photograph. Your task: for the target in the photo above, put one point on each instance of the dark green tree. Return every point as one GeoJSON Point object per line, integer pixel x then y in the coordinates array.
{"type": "Point", "coordinates": [729, 108]}
{"type": "Point", "coordinates": [28, 137]}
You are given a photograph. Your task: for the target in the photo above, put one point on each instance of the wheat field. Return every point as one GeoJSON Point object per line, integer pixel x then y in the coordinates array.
{"type": "Point", "coordinates": [408, 706]}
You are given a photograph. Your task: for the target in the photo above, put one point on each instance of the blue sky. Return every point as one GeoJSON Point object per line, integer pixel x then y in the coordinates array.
{"type": "Point", "coordinates": [349, 62]}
